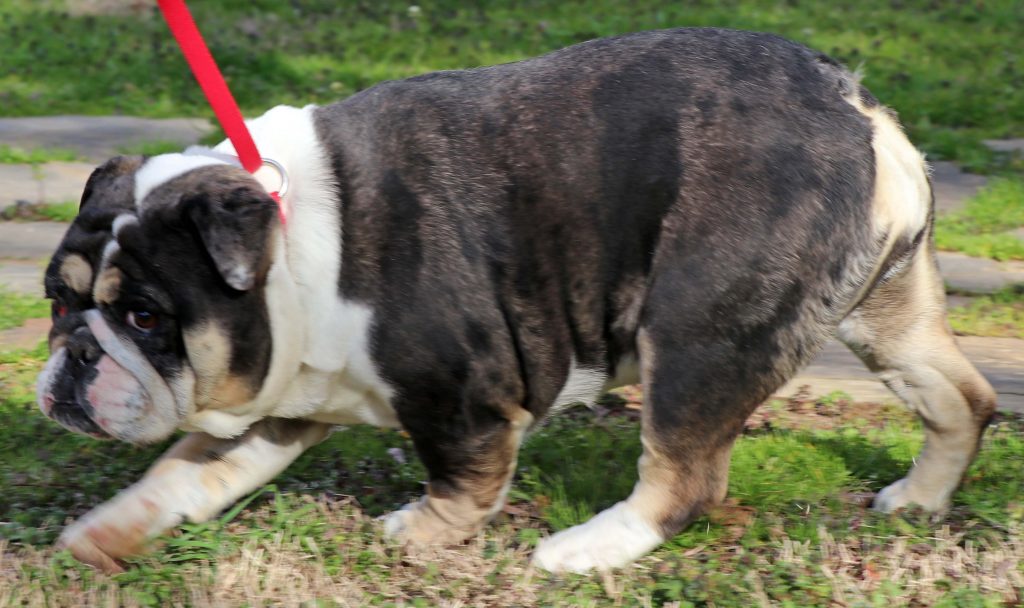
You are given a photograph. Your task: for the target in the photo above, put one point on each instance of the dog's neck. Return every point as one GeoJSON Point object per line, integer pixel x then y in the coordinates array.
{"type": "Point", "coordinates": [320, 367]}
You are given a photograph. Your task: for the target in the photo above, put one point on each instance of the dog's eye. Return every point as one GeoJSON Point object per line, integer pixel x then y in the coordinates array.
{"type": "Point", "coordinates": [59, 310]}
{"type": "Point", "coordinates": [143, 320]}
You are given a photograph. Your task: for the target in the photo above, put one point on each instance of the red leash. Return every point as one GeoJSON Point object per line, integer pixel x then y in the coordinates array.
{"type": "Point", "coordinates": [180, 21]}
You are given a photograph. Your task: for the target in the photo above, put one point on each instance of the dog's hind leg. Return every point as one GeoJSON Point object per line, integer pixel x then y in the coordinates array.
{"type": "Point", "coordinates": [900, 333]}
{"type": "Point", "coordinates": [698, 392]}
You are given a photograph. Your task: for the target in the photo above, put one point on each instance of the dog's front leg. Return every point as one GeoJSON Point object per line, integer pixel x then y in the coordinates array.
{"type": "Point", "coordinates": [194, 481]}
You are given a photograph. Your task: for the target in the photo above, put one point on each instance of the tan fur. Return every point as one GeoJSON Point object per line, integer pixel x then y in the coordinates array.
{"type": "Point", "coordinates": [226, 469]}
{"type": "Point", "coordinates": [76, 273]}
{"type": "Point", "coordinates": [902, 196]}
{"type": "Point", "coordinates": [900, 333]}
{"type": "Point", "coordinates": [107, 287]}
{"type": "Point", "coordinates": [209, 353]}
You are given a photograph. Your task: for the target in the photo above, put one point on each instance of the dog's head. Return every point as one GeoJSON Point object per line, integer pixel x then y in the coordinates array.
{"type": "Point", "coordinates": [159, 304]}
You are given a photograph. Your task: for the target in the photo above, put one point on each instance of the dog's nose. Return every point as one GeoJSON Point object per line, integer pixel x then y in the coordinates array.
{"type": "Point", "coordinates": [82, 346]}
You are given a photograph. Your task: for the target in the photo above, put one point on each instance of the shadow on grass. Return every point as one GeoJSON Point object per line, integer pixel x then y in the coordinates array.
{"type": "Point", "coordinates": [865, 460]}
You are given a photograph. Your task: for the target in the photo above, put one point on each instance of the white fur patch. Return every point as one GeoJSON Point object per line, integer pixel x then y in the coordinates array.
{"type": "Point", "coordinates": [109, 250]}
{"type": "Point", "coordinates": [44, 397]}
{"type": "Point", "coordinates": [165, 167]}
{"type": "Point", "coordinates": [583, 385]}
{"type": "Point", "coordinates": [125, 219]}
{"type": "Point", "coordinates": [612, 539]}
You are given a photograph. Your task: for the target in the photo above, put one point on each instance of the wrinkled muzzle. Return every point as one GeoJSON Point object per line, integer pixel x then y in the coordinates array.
{"type": "Point", "coordinates": [100, 384]}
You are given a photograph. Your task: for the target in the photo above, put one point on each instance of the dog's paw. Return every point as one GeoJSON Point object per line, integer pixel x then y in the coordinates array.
{"type": "Point", "coordinates": [116, 529]}
{"type": "Point", "coordinates": [613, 538]}
{"type": "Point", "coordinates": [395, 523]}
{"type": "Point", "coordinates": [430, 522]}
{"type": "Point", "coordinates": [90, 545]}
{"type": "Point", "coordinates": [903, 494]}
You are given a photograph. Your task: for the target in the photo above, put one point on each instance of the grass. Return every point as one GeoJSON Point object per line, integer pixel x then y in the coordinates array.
{"type": "Point", "coordinates": [954, 71]}
{"type": "Point", "coordinates": [34, 212]}
{"type": "Point", "coordinates": [794, 532]}
{"type": "Point", "coordinates": [982, 228]}
{"type": "Point", "coordinates": [152, 148]}
{"type": "Point", "coordinates": [16, 308]}
{"type": "Point", "coordinates": [1000, 314]}
{"type": "Point", "coordinates": [20, 156]}
{"type": "Point", "coordinates": [58, 212]}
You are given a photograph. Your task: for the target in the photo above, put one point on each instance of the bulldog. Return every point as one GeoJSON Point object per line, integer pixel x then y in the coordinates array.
{"type": "Point", "coordinates": [467, 251]}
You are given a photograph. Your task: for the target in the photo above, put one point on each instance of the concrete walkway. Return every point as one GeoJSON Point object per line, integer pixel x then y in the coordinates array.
{"type": "Point", "coordinates": [97, 138]}
{"type": "Point", "coordinates": [1000, 360]}
{"type": "Point", "coordinates": [55, 182]}
{"type": "Point", "coordinates": [94, 139]}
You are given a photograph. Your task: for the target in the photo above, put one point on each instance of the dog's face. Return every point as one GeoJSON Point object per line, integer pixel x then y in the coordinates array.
{"type": "Point", "coordinates": [158, 298]}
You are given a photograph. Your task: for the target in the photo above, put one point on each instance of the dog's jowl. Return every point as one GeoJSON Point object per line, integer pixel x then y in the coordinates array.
{"type": "Point", "coordinates": [465, 251]}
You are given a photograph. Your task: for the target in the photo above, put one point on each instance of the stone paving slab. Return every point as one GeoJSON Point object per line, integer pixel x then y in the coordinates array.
{"type": "Point", "coordinates": [978, 275]}
{"type": "Point", "coordinates": [23, 276]}
{"type": "Point", "coordinates": [952, 186]}
{"type": "Point", "coordinates": [97, 138]}
{"type": "Point", "coordinates": [56, 182]}
{"type": "Point", "coordinates": [1000, 360]}
{"type": "Point", "coordinates": [1006, 146]}
{"type": "Point", "coordinates": [30, 240]}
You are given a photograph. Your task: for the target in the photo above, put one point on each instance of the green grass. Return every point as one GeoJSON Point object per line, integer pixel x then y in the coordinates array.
{"type": "Point", "coordinates": [35, 212]}
{"type": "Point", "coordinates": [954, 71]}
{"type": "Point", "coordinates": [152, 148]}
{"type": "Point", "coordinates": [58, 212]}
{"type": "Point", "coordinates": [16, 308]}
{"type": "Point", "coordinates": [1000, 314]}
{"type": "Point", "coordinates": [13, 155]}
{"type": "Point", "coordinates": [794, 532]}
{"type": "Point", "coordinates": [981, 228]}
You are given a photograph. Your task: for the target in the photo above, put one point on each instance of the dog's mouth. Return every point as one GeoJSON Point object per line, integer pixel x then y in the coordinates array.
{"type": "Point", "coordinates": [73, 417]}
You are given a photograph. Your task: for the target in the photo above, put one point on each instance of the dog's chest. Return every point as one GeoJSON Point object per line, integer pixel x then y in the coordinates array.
{"type": "Point", "coordinates": [336, 398]}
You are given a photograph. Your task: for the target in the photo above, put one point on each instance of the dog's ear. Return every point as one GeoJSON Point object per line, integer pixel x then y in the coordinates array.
{"type": "Point", "coordinates": [105, 179]}
{"type": "Point", "coordinates": [235, 225]}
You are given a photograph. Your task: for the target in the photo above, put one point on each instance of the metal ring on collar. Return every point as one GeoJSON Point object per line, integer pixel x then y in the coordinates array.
{"type": "Point", "coordinates": [280, 169]}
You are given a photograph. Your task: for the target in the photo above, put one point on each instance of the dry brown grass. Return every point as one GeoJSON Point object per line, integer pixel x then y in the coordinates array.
{"type": "Point", "coordinates": [925, 572]}
{"type": "Point", "coordinates": [493, 570]}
